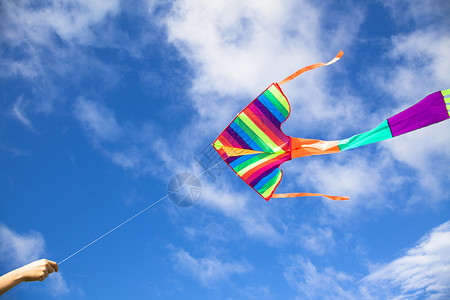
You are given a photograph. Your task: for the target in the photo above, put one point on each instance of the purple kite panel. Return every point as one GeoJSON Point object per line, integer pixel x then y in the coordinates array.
{"type": "Point", "coordinates": [428, 111]}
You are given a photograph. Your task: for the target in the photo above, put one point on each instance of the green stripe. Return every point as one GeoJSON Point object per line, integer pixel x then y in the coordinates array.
{"type": "Point", "coordinates": [445, 92]}
{"type": "Point", "coordinates": [447, 100]}
{"type": "Point", "coordinates": [276, 92]}
{"type": "Point", "coordinates": [270, 185]}
{"type": "Point", "coordinates": [246, 163]}
{"type": "Point", "coordinates": [252, 135]}
{"type": "Point", "coordinates": [253, 162]}
{"type": "Point", "coordinates": [274, 147]}
{"type": "Point", "coordinates": [276, 103]}
{"type": "Point", "coordinates": [379, 133]}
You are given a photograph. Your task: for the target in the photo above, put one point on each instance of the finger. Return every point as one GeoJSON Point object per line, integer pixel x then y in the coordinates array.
{"type": "Point", "coordinates": [54, 265]}
{"type": "Point", "coordinates": [49, 268]}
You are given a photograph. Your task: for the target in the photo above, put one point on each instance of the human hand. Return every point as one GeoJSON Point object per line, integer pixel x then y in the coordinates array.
{"type": "Point", "coordinates": [37, 270]}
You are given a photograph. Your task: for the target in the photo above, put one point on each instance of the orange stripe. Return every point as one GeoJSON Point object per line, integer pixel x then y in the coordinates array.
{"type": "Point", "coordinates": [306, 147]}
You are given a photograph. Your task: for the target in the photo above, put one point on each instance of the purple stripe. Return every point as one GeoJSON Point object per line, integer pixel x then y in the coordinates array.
{"type": "Point", "coordinates": [270, 126]}
{"type": "Point", "coordinates": [237, 138]}
{"type": "Point", "coordinates": [230, 140]}
{"type": "Point", "coordinates": [267, 113]}
{"type": "Point", "coordinates": [230, 159]}
{"type": "Point", "coordinates": [262, 176]}
{"type": "Point", "coordinates": [428, 111]}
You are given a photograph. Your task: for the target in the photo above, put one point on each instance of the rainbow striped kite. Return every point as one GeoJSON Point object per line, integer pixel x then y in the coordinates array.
{"type": "Point", "coordinates": [254, 145]}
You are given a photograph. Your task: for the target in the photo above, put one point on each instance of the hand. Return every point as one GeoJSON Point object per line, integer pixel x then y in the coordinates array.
{"type": "Point", "coordinates": [38, 270]}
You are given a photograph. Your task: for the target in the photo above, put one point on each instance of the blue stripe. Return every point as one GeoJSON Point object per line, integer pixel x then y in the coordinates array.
{"type": "Point", "coordinates": [272, 108]}
{"type": "Point", "coordinates": [263, 181]}
{"type": "Point", "coordinates": [262, 108]}
{"type": "Point", "coordinates": [245, 136]}
{"type": "Point", "coordinates": [241, 160]}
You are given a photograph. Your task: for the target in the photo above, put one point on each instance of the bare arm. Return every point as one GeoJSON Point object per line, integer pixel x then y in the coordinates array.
{"type": "Point", "coordinates": [37, 270]}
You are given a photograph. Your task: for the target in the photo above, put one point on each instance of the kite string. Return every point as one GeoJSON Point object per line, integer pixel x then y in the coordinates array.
{"type": "Point", "coordinates": [131, 218]}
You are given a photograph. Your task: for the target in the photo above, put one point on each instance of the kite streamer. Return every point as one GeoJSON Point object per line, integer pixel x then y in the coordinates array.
{"type": "Point", "coordinates": [254, 146]}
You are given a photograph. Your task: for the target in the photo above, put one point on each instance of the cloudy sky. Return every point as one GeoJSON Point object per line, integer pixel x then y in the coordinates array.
{"type": "Point", "coordinates": [104, 102]}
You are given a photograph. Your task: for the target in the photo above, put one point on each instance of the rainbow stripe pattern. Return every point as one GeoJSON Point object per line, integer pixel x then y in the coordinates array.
{"type": "Point", "coordinates": [254, 146]}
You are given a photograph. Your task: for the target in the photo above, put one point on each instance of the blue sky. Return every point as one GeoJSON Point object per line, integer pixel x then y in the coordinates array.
{"type": "Point", "coordinates": [103, 102]}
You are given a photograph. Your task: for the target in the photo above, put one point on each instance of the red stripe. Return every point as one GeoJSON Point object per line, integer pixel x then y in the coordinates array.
{"type": "Point", "coordinates": [254, 172]}
{"type": "Point", "coordinates": [222, 153]}
{"type": "Point", "coordinates": [230, 139]}
{"type": "Point", "coordinates": [224, 141]}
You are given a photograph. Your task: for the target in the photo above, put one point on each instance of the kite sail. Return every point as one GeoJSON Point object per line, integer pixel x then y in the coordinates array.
{"type": "Point", "coordinates": [254, 145]}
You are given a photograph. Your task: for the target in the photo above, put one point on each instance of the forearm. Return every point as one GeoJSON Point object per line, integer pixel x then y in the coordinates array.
{"type": "Point", "coordinates": [10, 280]}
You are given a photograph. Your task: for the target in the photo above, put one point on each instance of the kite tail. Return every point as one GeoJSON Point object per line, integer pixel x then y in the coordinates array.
{"type": "Point", "coordinates": [432, 109]}
{"type": "Point", "coordinates": [311, 67]}
{"type": "Point", "coordinates": [294, 195]}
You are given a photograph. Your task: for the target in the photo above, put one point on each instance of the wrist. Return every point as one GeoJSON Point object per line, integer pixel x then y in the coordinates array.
{"type": "Point", "coordinates": [17, 276]}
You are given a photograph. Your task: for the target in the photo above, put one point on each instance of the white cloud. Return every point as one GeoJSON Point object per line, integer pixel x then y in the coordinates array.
{"type": "Point", "coordinates": [422, 272]}
{"type": "Point", "coordinates": [420, 12]}
{"type": "Point", "coordinates": [318, 240]}
{"type": "Point", "coordinates": [252, 215]}
{"type": "Point", "coordinates": [44, 43]}
{"type": "Point", "coordinates": [311, 283]}
{"type": "Point", "coordinates": [26, 21]}
{"type": "Point", "coordinates": [134, 147]}
{"type": "Point", "coordinates": [208, 270]}
{"type": "Point", "coordinates": [18, 249]}
{"type": "Point", "coordinates": [97, 120]}
{"type": "Point", "coordinates": [236, 55]}
{"type": "Point", "coordinates": [18, 111]}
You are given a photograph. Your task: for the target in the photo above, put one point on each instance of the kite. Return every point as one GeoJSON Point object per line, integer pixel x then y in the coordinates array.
{"type": "Point", "coordinates": [254, 146]}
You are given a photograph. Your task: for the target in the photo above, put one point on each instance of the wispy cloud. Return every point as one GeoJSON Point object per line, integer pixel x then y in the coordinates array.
{"type": "Point", "coordinates": [422, 272]}
{"type": "Point", "coordinates": [135, 147]}
{"type": "Point", "coordinates": [208, 269]}
{"type": "Point", "coordinates": [19, 112]}
{"type": "Point", "coordinates": [43, 43]}
{"type": "Point", "coordinates": [97, 120]}
{"type": "Point", "coordinates": [318, 240]}
{"type": "Point", "coordinates": [17, 249]}
{"type": "Point", "coordinates": [311, 283]}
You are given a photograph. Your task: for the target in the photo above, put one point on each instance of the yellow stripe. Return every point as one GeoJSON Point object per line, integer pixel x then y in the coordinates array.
{"type": "Point", "coordinates": [276, 92]}
{"type": "Point", "coordinates": [262, 160]}
{"type": "Point", "coordinates": [259, 132]}
{"type": "Point", "coordinates": [232, 151]}
{"type": "Point", "coordinates": [217, 145]}
{"type": "Point", "coordinates": [445, 92]}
